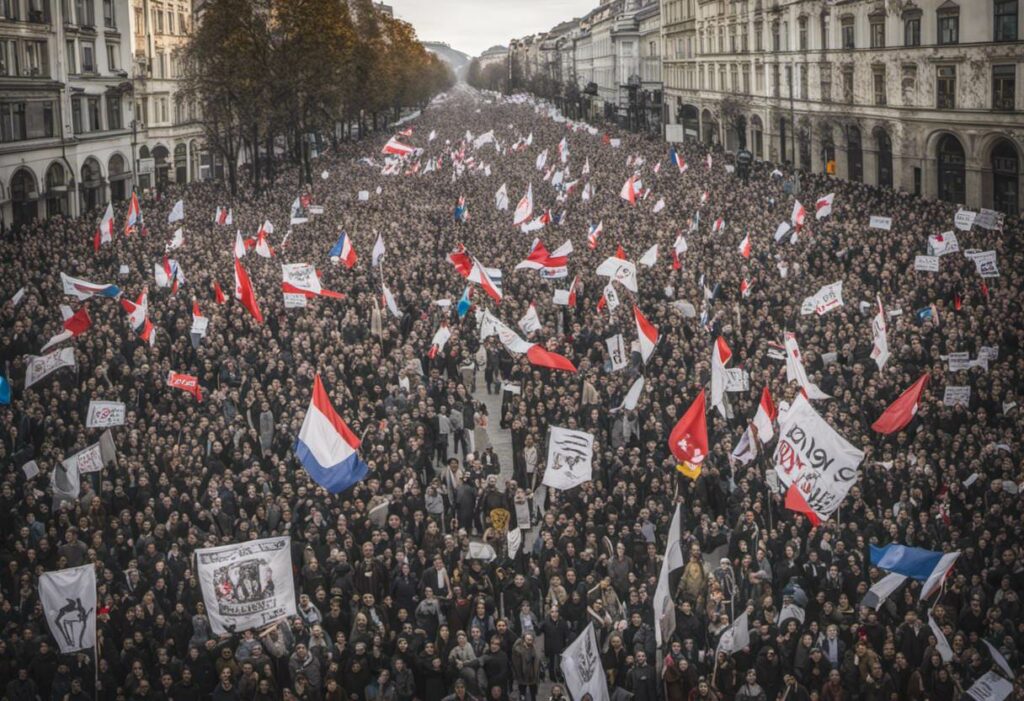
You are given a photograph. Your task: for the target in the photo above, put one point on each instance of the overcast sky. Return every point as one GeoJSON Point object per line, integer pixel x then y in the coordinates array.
{"type": "Point", "coordinates": [472, 26]}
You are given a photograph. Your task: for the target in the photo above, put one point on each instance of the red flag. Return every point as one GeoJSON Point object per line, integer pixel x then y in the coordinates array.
{"type": "Point", "coordinates": [187, 383]}
{"type": "Point", "coordinates": [676, 263]}
{"type": "Point", "coordinates": [795, 501]}
{"type": "Point", "coordinates": [620, 252]}
{"type": "Point", "coordinates": [541, 356]}
{"type": "Point", "coordinates": [244, 292]}
{"type": "Point", "coordinates": [195, 307]}
{"type": "Point", "coordinates": [79, 322]}
{"type": "Point", "coordinates": [218, 293]}
{"type": "Point", "coordinates": [900, 412]}
{"type": "Point", "coordinates": [689, 439]}
{"type": "Point", "coordinates": [958, 301]}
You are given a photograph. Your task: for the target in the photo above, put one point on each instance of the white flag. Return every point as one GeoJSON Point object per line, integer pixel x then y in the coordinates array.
{"type": "Point", "coordinates": [879, 333]}
{"type": "Point", "coordinates": [795, 369]}
{"type": "Point", "coordinates": [94, 458]}
{"type": "Point", "coordinates": [501, 198]}
{"type": "Point", "coordinates": [570, 458]}
{"type": "Point", "coordinates": [623, 271]}
{"type": "Point", "coordinates": [633, 395]}
{"type": "Point", "coordinates": [736, 637]}
{"type": "Point", "coordinates": [378, 250]}
{"type": "Point", "coordinates": [826, 299]}
{"type": "Point", "coordinates": [530, 321]}
{"type": "Point", "coordinates": [883, 589]}
{"type": "Point", "coordinates": [247, 585]}
{"type": "Point", "coordinates": [178, 213]}
{"type": "Point", "coordinates": [941, 644]}
{"type": "Point", "coordinates": [39, 366]}
{"type": "Point", "coordinates": [582, 668]}
{"type": "Point", "coordinates": [664, 607]}
{"type": "Point", "coordinates": [650, 257]}
{"type": "Point", "coordinates": [69, 604]}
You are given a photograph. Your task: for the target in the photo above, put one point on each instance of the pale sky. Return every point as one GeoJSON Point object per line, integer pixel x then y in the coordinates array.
{"type": "Point", "coordinates": [473, 26]}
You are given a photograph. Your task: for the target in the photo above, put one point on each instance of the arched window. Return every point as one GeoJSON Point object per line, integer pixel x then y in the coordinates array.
{"type": "Point", "coordinates": [951, 161]}
{"type": "Point", "coordinates": [884, 147]}
{"type": "Point", "coordinates": [24, 195]}
{"type": "Point", "coordinates": [56, 190]}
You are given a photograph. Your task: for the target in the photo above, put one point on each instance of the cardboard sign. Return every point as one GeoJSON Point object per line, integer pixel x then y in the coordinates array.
{"type": "Point", "coordinates": [958, 361]}
{"type": "Point", "coordinates": [294, 301]}
{"type": "Point", "coordinates": [884, 223]}
{"type": "Point", "coordinates": [964, 219]}
{"type": "Point", "coordinates": [617, 352]}
{"type": "Point", "coordinates": [956, 395]}
{"type": "Point", "coordinates": [105, 414]}
{"type": "Point", "coordinates": [926, 264]}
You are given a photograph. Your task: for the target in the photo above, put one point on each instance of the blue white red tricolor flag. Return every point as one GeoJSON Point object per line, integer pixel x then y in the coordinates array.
{"type": "Point", "coordinates": [326, 446]}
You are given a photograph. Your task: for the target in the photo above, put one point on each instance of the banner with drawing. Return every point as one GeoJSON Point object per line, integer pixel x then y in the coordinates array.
{"type": "Point", "coordinates": [570, 458]}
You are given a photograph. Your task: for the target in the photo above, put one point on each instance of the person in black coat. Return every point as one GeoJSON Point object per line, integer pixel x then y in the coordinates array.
{"type": "Point", "coordinates": [642, 679]}
{"type": "Point", "coordinates": [556, 634]}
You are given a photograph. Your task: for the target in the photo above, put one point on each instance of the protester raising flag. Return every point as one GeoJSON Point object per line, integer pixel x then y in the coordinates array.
{"type": "Point", "coordinates": [378, 251]}
{"type": "Point", "coordinates": [530, 322]}
{"type": "Point", "coordinates": [168, 273]}
{"type": "Point", "coordinates": [646, 332]}
{"type": "Point", "coordinates": [737, 636]}
{"type": "Point", "coordinates": [74, 325]}
{"type": "Point", "coordinates": [630, 189]}
{"type": "Point", "coordinates": [744, 246]}
{"type": "Point", "coordinates": [105, 230]}
{"type": "Point", "coordinates": [879, 333]}
{"type": "Point", "coordinates": [764, 419]}
{"type": "Point", "coordinates": [795, 369]}
{"type": "Point", "coordinates": [244, 292]}
{"type": "Point", "coordinates": [524, 210]}
{"type": "Point", "coordinates": [537, 354]}
{"type": "Point", "coordinates": [902, 411]}
{"type": "Point", "coordinates": [664, 606]}
{"type": "Point", "coordinates": [186, 383]}
{"type": "Point", "coordinates": [439, 341]}
{"type": "Point", "coordinates": [823, 207]}
{"type": "Point", "coordinates": [550, 265]}
{"type": "Point", "coordinates": [327, 447]}
{"type": "Point", "coordinates": [343, 251]}
{"type": "Point", "coordinates": [676, 159]}
{"type": "Point", "coordinates": [720, 356]}
{"type": "Point", "coordinates": [138, 316]}
{"type": "Point", "coordinates": [798, 215]}
{"type": "Point", "coordinates": [394, 147]}
{"type": "Point", "coordinates": [688, 440]}
{"type": "Point", "coordinates": [464, 304]}
{"type": "Point", "coordinates": [218, 293]}
{"type": "Point", "coordinates": [223, 216]}
{"type": "Point", "coordinates": [593, 233]}
{"type": "Point", "coordinates": [650, 257]}
{"type": "Point", "coordinates": [177, 212]}
{"type": "Point", "coordinates": [925, 566]}
{"type": "Point", "coordinates": [501, 198]}
{"type": "Point", "coordinates": [388, 300]}
{"type": "Point", "coordinates": [134, 215]}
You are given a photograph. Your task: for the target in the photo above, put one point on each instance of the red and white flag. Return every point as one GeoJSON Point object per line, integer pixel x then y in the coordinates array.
{"type": "Point", "coordinates": [186, 383]}
{"type": "Point", "coordinates": [795, 369]}
{"type": "Point", "coordinates": [240, 249]}
{"type": "Point", "coordinates": [218, 293]}
{"type": "Point", "coordinates": [481, 276]}
{"type": "Point", "coordinates": [263, 248]}
{"type": "Point", "coordinates": [389, 301]}
{"type": "Point", "coordinates": [530, 321]}
{"type": "Point", "coordinates": [105, 231]}
{"type": "Point", "coordinates": [138, 316]}
{"type": "Point", "coordinates": [134, 215]}
{"type": "Point", "coordinates": [439, 341]}
{"type": "Point", "coordinates": [744, 246]}
{"type": "Point", "coordinates": [524, 210]}
{"type": "Point", "coordinates": [646, 332]}
{"type": "Point", "coordinates": [74, 325]}
{"type": "Point", "coordinates": [708, 161]}
{"type": "Point", "coordinates": [721, 354]}
{"type": "Point", "coordinates": [798, 215]}
{"type": "Point", "coordinates": [689, 438]}
{"type": "Point", "coordinates": [244, 292]}
{"type": "Point", "coordinates": [224, 216]}
{"type": "Point", "coordinates": [718, 226]}
{"type": "Point", "coordinates": [764, 419]}
{"type": "Point", "coordinates": [594, 233]}
{"type": "Point", "coordinates": [823, 207]}
{"type": "Point", "coordinates": [629, 190]}
{"type": "Point", "coordinates": [395, 147]}
{"type": "Point", "coordinates": [536, 353]}
{"type": "Point", "coordinates": [746, 286]}
{"type": "Point", "coordinates": [902, 411]}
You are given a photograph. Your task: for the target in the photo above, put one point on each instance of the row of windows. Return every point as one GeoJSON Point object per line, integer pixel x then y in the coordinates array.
{"type": "Point", "coordinates": [84, 60]}
{"type": "Point", "coordinates": [21, 120]}
{"type": "Point", "coordinates": [163, 22]}
{"type": "Point", "coordinates": [25, 58]}
{"type": "Point", "coordinates": [1004, 29]}
{"type": "Point", "coordinates": [737, 79]}
{"type": "Point", "coordinates": [87, 116]}
{"type": "Point", "coordinates": [80, 13]}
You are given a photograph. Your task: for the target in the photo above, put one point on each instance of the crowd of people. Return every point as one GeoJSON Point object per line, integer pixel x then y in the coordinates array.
{"type": "Point", "coordinates": [398, 608]}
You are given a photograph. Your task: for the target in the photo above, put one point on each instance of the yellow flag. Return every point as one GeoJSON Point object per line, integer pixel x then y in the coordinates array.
{"type": "Point", "coordinates": [689, 469]}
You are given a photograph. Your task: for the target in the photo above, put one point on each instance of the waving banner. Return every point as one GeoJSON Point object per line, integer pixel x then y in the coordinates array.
{"type": "Point", "coordinates": [570, 456]}
{"type": "Point", "coordinates": [814, 458]}
{"type": "Point", "coordinates": [247, 585]}
{"type": "Point", "coordinates": [582, 668]}
{"type": "Point", "coordinates": [39, 366]}
{"type": "Point", "coordinates": [69, 604]}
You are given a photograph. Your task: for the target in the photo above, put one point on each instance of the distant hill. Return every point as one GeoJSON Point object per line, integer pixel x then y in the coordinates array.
{"type": "Point", "coordinates": [453, 57]}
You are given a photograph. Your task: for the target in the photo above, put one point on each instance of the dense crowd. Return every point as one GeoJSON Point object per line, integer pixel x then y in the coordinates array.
{"type": "Point", "coordinates": [395, 609]}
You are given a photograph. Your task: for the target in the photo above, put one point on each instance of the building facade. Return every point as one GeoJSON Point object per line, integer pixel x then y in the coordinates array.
{"type": "Point", "coordinates": [65, 107]}
{"type": "Point", "coordinates": [166, 136]}
{"type": "Point", "coordinates": [919, 95]}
